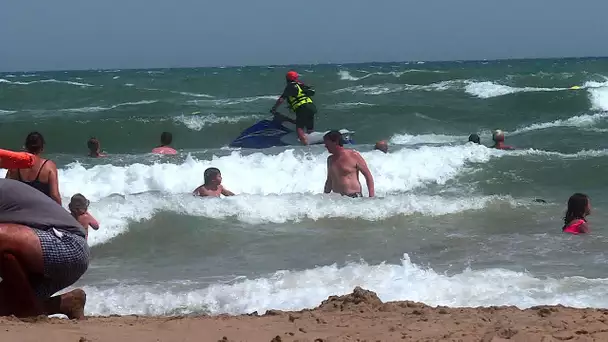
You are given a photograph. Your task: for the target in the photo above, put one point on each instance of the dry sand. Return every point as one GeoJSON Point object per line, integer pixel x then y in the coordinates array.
{"type": "Point", "coordinates": [359, 316]}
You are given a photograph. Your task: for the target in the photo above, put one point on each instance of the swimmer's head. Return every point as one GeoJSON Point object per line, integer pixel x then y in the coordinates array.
{"type": "Point", "coordinates": [34, 143]}
{"type": "Point", "coordinates": [579, 206]}
{"type": "Point", "coordinates": [212, 175]}
{"type": "Point", "coordinates": [78, 204]}
{"type": "Point", "coordinates": [333, 139]}
{"type": "Point", "coordinates": [474, 138]}
{"type": "Point", "coordinates": [93, 145]}
{"type": "Point", "coordinates": [381, 145]}
{"type": "Point", "coordinates": [166, 138]}
{"type": "Point", "coordinates": [498, 135]}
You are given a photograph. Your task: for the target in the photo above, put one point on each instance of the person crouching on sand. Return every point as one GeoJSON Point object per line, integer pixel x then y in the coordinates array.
{"type": "Point", "coordinates": [579, 207]}
{"type": "Point", "coordinates": [79, 206]}
{"type": "Point", "coordinates": [213, 185]}
{"type": "Point", "coordinates": [42, 251]}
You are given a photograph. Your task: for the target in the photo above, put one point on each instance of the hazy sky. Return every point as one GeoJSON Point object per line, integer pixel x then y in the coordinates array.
{"type": "Point", "coordinates": [83, 34]}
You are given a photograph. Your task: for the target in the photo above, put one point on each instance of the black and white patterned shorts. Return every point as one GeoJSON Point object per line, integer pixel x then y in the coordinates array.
{"type": "Point", "coordinates": [65, 259]}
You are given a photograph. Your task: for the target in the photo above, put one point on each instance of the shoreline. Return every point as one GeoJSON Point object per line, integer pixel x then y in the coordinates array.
{"type": "Point", "coordinates": [358, 316]}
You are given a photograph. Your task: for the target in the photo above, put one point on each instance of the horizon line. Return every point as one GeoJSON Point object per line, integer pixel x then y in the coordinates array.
{"type": "Point", "coordinates": [225, 66]}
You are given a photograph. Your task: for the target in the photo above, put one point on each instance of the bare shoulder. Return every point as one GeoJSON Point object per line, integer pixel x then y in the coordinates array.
{"type": "Point", "coordinates": [83, 219]}
{"type": "Point", "coordinates": [50, 166]}
{"type": "Point", "coordinates": [354, 154]}
{"type": "Point", "coordinates": [51, 163]}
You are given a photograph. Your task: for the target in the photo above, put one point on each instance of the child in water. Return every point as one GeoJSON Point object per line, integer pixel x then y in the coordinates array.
{"type": "Point", "coordinates": [213, 184]}
{"type": "Point", "coordinates": [79, 206]}
{"type": "Point", "coordinates": [579, 207]}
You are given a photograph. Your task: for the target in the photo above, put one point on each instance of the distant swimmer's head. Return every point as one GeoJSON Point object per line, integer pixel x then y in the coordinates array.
{"type": "Point", "coordinates": [333, 139]}
{"type": "Point", "coordinates": [212, 176]}
{"type": "Point", "coordinates": [166, 138]}
{"type": "Point", "coordinates": [498, 136]}
{"type": "Point", "coordinates": [579, 206]}
{"type": "Point", "coordinates": [34, 143]}
{"type": "Point", "coordinates": [78, 204]}
{"type": "Point", "coordinates": [291, 76]}
{"type": "Point", "coordinates": [93, 145]}
{"type": "Point", "coordinates": [474, 138]}
{"type": "Point", "coordinates": [381, 145]}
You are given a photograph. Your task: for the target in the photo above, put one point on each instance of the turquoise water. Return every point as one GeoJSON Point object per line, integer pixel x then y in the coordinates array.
{"type": "Point", "coordinates": [448, 213]}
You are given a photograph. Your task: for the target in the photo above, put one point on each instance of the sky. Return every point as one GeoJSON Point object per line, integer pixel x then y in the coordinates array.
{"type": "Point", "coordinates": [121, 34]}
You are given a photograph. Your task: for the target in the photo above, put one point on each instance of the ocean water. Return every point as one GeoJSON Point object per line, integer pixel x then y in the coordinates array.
{"type": "Point", "coordinates": [452, 224]}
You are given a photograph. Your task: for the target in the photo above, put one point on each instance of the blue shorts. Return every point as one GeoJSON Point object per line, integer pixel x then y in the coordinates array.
{"type": "Point", "coordinates": [65, 259]}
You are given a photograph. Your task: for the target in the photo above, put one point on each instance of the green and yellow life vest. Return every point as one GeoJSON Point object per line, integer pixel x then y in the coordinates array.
{"type": "Point", "coordinates": [296, 101]}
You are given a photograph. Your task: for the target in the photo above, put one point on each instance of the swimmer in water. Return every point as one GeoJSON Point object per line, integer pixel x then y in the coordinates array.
{"type": "Point", "coordinates": [474, 138]}
{"type": "Point", "coordinates": [579, 207]}
{"type": "Point", "coordinates": [79, 208]}
{"type": "Point", "coordinates": [499, 140]}
{"type": "Point", "coordinates": [94, 148]}
{"type": "Point", "coordinates": [165, 140]}
{"type": "Point", "coordinates": [213, 185]}
{"type": "Point", "coordinates": [382, 146]}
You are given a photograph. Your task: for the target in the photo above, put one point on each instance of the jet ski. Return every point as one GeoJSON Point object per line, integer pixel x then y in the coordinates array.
{"type": "Point", "coordinates": [280, 131]}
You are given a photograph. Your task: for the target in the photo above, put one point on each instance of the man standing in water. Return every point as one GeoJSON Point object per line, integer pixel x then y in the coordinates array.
{"type": "Point", "coordinates": [298, 97]}
{"type": "Point", "coordinates": [343, 168]}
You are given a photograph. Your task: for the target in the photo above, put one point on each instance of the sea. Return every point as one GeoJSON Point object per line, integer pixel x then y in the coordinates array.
{"type": "Point", "coordinates": [453, 223]}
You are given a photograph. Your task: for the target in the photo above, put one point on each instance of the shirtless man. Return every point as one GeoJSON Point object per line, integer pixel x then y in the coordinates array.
{"type": "Point", "coordinates": [343, 168]}
{"type": "Point", "coordinates": [381, 145]}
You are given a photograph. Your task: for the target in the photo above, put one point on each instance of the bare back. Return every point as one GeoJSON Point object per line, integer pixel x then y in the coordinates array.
{"type": "Point", "coordinates": [42, 176]}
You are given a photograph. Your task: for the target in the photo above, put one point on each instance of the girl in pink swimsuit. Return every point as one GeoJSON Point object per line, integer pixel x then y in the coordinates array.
{"type": "Point", "coordinates": [579, 207]}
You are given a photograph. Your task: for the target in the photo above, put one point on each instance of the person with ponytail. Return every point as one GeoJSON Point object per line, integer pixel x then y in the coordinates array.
{"type": "Point", "coordinates": [42, 175]}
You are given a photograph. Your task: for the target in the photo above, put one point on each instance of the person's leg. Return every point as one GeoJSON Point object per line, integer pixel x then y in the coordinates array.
{"type": "Point", "coordinates": [20, 257]}
{"type": "Point", "coordinates": [22, 264]}
{"type": "Point", "coordinates": [66, 259]}
{"type": "Point", "coordinates": [311, 111]}
{"type": "Point", "coordinates": [301, 125]}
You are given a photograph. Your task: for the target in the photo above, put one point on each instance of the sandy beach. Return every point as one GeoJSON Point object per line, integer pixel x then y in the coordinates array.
{"type": "Point", "coordinates": [358, 316]}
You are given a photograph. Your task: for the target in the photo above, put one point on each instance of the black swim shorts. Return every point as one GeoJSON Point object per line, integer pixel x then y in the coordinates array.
{"type": "Point", "coordinates": [305, 116]}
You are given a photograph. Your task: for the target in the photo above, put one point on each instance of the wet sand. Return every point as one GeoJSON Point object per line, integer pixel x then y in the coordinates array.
{"type": "Point", "coordinates": [359, 316]}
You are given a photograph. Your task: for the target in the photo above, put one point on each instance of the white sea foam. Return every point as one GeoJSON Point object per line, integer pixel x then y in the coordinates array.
{"type": "Point", "coordinates": [198, 122]}
{"type": "Point", "coordinates": [296, 290]}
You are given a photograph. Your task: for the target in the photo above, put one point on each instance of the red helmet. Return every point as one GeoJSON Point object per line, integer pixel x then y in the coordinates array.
{"type": "Point", "coordinates": [292, 76]}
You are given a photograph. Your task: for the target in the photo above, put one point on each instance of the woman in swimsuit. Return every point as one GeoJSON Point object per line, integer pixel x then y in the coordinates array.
{"type": "Point", "coordinates": [579, 207]}
{"type": "Point", "coordinates": [43, 174]}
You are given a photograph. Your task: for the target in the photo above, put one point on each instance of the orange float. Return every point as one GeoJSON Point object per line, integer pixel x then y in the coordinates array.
{"type": "Point", "coordinates": [15, 160]}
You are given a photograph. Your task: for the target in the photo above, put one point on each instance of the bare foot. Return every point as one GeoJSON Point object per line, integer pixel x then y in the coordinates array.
{"type": "Point", "coordinates": [70, 304]}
